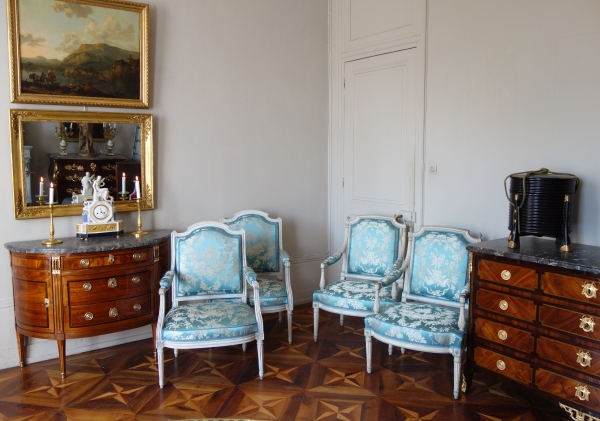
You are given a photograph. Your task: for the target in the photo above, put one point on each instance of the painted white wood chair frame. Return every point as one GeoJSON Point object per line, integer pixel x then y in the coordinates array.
{"type": "Point", "coordinates": [249, 277]}
{"type": "Point", "coordinates": [376, 280]}
{"type": "Point", "coordinates": [282, 275]}
{"type": "Point", "coordinates": [461, 306]}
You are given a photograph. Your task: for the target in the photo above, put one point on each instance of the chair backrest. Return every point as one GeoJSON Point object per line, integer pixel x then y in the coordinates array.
{"type": "Point", "coordinates": [438, 264]}
{"type": "Point", "coordinates": [263, 240]}
{"type": "Point", "coordinates": [208, 260]}
{"type": "Point", "coordinates": [373, 244]}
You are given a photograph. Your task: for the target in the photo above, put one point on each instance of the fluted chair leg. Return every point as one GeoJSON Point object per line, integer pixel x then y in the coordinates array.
{"type": "Point", "coordinates": [402, 350]}
{"type": "Point", "coordinates": [289, 320]}
{"type": "Point", "coordinates": [244, 347]}
{"type": "Point", "coordinates": [390, 349]}
{"type": "Point", "coordinates": [161, 368]}
{"type": "Point", "coordinates": [457, 372]}
{"type": "Point", "coordinates": [280, 316]}
{"type": "Point", "coordinates": [316, 320]}
{"type": "Point", "coordinates": [341, 320]}
{"type": "Point", "coordinates": [369, 352]}
{"type": "Point", "coordinates": [259, 347]}
{"type": "Point", "coordinates": [175, 352]}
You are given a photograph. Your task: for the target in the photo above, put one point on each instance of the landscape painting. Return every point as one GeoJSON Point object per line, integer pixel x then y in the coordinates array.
{"type": "Point", "coordinates": [82, 52]}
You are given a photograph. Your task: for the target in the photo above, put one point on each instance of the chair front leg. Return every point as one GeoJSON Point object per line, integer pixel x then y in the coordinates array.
{"type": "Point", "coordinates": [316, 319]}
{"type": "Point", "coordinates": [259, 347]}
{"type": "Point", "coordinates": [161, 363]}
{"type": "Point", "coordinates": [369, 346]}
{"type": "Point", "coordinates": [457, 353]}
{"type": "Point", "coordinates": [341, 320]}
{"type": "Point", "coordinates": [289, 320]}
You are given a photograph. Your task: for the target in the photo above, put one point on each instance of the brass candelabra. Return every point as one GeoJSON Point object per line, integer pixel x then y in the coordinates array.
{"type": "Point", "coordinates": [139, 233]}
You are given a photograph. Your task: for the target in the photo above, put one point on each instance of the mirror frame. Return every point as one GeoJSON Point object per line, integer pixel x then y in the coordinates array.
{"type": "Point", "coordinates": [18, 117]}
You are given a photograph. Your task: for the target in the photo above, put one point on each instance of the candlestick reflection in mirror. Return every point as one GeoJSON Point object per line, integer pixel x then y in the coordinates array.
{"type": "Point", "coordinates": [41, 186]}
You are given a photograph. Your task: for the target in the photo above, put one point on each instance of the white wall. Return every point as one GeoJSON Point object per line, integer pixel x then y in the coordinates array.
{"type": "Point", "coordinates": [239, 96]}
{"type": "Point", "coordinates": [511, 86]}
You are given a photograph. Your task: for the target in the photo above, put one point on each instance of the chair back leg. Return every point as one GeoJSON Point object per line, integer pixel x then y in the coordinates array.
{"type": "Point", "coordinates": [289, 320]}
{"type": "Point", "coordinates": [161, 365]}
{"type": "Point", "coordinates": [341, 320]}
{"type": "Point", "coordinates": [390, 349]}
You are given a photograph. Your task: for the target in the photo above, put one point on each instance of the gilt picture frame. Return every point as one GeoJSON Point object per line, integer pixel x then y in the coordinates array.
{"type": "Point", "coordinates": [79, 52]}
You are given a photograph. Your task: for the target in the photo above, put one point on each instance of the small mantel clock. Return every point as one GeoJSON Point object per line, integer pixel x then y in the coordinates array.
{"type": "Point", "coordinates": [99, 215]}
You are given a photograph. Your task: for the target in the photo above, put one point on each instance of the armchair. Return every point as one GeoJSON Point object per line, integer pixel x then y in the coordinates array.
{"type": "Point", "coordinates": [265, 254]}
{"type": "Point", "coordinates": [432, 314]}
{"type": "Point", "coordinates": [208, 270]}
{"type": "Point", "coordinates": [372, 262]}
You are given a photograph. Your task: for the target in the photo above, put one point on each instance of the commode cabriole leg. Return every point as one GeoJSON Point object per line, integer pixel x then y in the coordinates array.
{"type": "Point", "coordinates": [21, 347]}
{"type": "Point", "coordinates": [289, 320]}
{"type": "Point", "coordinates": [62, 357]}
{"type": "Point", "coordinates": [316, 319]}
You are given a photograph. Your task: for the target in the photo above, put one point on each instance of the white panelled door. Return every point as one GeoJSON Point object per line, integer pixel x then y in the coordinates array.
{"type": "Point", "coordinates": [380, 135]}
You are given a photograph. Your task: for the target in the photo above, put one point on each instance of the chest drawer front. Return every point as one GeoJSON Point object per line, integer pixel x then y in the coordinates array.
{"type": "Point", "coordinates": [108, 259]}
{"type": "Point", "coordinates": [576, 357]}
{"type": "Point", "coordinates": [503, 365]}
{"type": "Point", "coordinates": [580, 324]}
{"type": "Point", "coordinates": [110, 311]}
{"type": "Point", "coordinates": [567, 388]}
{"type": "Point", "coordinates": [505, 335]}
{"type": "Point", "coordinates": [570, 287]}
{"type": "Point", "coordinates": [106, 288]}
{"type": "Point", "coordinates": [505, 304]}
{"type": "Point", "coordinates": [507, 274]}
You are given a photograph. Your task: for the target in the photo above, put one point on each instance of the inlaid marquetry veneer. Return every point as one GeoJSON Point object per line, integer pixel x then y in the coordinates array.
{"type": "Point", "coordinates": [79, 289]}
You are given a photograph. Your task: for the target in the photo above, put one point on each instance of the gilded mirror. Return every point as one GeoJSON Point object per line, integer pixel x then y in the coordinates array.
{"type": "Point", "coordinates": [66, 148]}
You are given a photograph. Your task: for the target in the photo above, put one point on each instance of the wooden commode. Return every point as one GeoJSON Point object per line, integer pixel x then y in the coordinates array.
{"type": "Point", "coordinates": [79, 289]}
{"type": "Point", "coordinates": [535, 318]}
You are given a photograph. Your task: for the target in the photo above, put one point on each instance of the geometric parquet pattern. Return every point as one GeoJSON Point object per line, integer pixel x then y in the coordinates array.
{"type": "Point", "coordinates": [307, 381]}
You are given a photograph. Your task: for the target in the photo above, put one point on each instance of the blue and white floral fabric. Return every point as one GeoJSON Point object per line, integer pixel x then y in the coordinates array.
{"type": "Point", "coordinates": [353, 295]}
{"type": "Point", "coordinates": [209, 321]}
{"type": "Point", "coordinates": [262, 242]}
{"type": "Point", "coordinates": [418, 323]}
{"type": "Point", "coordinates": [373, 247]}
{"type": "Point", "coordinates": [208, 260]}
{"type": "Point", "coordinates": [271, 293]}
{"type": "Point", "coordinates": [439, 265]}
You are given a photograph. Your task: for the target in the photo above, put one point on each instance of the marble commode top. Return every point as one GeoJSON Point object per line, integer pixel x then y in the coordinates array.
{"type": "Point", "coordinates": [544, 252]}
{"type": "Point", "coordinates": [76, 245]}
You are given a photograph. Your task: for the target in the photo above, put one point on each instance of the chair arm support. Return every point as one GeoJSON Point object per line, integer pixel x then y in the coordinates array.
{"type": "Point", "coordinates": [328, 262]}
{"type": "Point", "coordinates": [285, 256]}
{"type": "Point", "coordinates": [167, 279]}
{"type": "Point", "coordinates": [377, 286]}
{"type": "Point", "coordinates": [249, 274]}
{"type": "Point", "coordinates": [251, 277]}
{"type": "Point", "coordinates": [462, 321]}
{"type": "Point", "coordinates": [466, 290]}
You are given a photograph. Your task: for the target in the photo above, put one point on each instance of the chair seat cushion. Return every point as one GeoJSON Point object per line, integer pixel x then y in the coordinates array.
{"type": "Point", "coordinates": [418, 323]}
{"type": "Point", "coordinates": [353, 295]}
{"type": "Point", "coordinates": [209, 321]}
{"type": "Point", "coordinates": [271, 293]}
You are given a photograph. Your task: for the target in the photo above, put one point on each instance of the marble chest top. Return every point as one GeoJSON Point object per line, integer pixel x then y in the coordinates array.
{"type": "Point", "coordinates": [543, 251]}
{"type": "Point", "coordinates": [92, 245]}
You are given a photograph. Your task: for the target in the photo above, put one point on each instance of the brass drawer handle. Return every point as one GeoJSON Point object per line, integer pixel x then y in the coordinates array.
{"type": "Point", "coordinates": [137, 256]}
{"type": "Point", "coordinates": [112, 283]}
{"type": "Point", "coordinates": [501, 365]}
{"type": "Point", "coordinates": [88, 316]}
{"type": "Point", "coordinates": [46, 302]}
{"type": "Point", "coordinates": [503, 305]}
{"type": "Point", "coordinates": [587, 323]}
{"type": "Point", "coordinates": [584, 358]}
{"type": "Point", "coordinates": [589, 290]}
{"type": "Point", "coordinates": [502, 334]}
{"type": "Point", "coordinates": [113, 312]}
{"type": "Point", "coordinates": [87, 286]}
{"type": "Point", "coordinates": [137, 307]}
{"type": "Point", "coordinates": [84, 262]}
{"type": "Point", "coordinates": [505, 274]}
{"type": "Point", "coordinates": [135, 279]}
{"type": "Point", "coordinates": [582, 392]}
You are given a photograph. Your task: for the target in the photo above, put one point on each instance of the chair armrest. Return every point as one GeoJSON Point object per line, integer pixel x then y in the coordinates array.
{"type": "Point", "coordinates": [167, 280]}
{"type": "Point", "coordinates": [285, 256]}
{"type": "Point", "coordinates": [466, 290]}
{"type": "Point", "coordinates": [250, 275]}
{"type": "Point", "coordinates": [396, 272]}
{"type": "Point", "coordinates": [331, 260]}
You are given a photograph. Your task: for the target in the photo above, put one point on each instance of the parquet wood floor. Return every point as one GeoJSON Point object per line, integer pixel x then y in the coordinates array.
{"type": "Point", "coordinates": [307, 381]}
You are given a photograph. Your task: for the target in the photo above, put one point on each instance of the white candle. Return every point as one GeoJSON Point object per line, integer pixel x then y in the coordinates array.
{"type": "Point", "coordinates": [41, 186]}
{"type": "Point", "coordinates": [123, 183]}
{"type": "Point", "coordinates": [51, 193]}
{"type": "Point", "coordinates": [138, 194]}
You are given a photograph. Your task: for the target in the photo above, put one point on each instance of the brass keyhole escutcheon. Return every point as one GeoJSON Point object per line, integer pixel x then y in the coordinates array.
{"type": "Point", "coordinates": [589, 290]}
{"type": "Point", "coordinates": [582, 392]}
{"type": "Point", "coordinates": [505, 274]}
{"type": "Point", "coordinates": [46, 302]}
{"type": "Point", "coordinates": [135, 279]}
{"type": "Point", "coordinates": [584, 358]}
{"type": "Point", "coordinates": [587, 323]}
{"type": "Point", "coordinates": [503, 305]}
{"type": "Point", "coordinates": [137, 256]}
{"type": "Point", "coordinates": [137, 307]}
{"type": "Point", "coordinates": [88, 316]}
{"type": "Point", "coordinates": [112, 283]}
{"type": "Point", "coordinates": [111, 258]}
{"type": "Point", "coordinates": [501, 365]}
{"type": "Point", "coordinates": [113, 312]}
{"type": "Point", "coordinates": [84, 262]}
{"type": "Point", "coordinates": [87, 286]}
{"type": "Point", "coordinates": [502, 335]}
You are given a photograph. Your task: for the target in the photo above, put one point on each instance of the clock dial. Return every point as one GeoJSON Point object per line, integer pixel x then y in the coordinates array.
{"type": "Point", "coordinates": [101, 212]}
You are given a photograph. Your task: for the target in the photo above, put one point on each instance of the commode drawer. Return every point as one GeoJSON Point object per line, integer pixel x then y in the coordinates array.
{"type": "Point", "coordinates": [567, 388]}
{"type": "Point", "coordinates": [108, 259]}
{"type": "Point", "coordinates": [109, 312]}
{"type": "Point", "coordinates": [581, 324]}
{"type": "Point", "coordinates": [507, 274]}
{"type": "Point", "coordinates": [503, 365]}
{"type": "Point", "coordinates": [505, 335]}
{"type": "Point", "coordinates": [111, 286]}
{"type": "Point", "coordinates": [571, 287]}
{"type": "Point", "coordinates": [573, 356]}
{"type": "Point", "coordinates": [505, 304]}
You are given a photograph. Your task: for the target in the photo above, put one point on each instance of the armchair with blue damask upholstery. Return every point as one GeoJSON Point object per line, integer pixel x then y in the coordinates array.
{"type": "Point", "coordinates": [431, 316]}
{"type": "Point", "coordinates": [372, 261]}
{"type": "Point", "coordinates": [207, 280]}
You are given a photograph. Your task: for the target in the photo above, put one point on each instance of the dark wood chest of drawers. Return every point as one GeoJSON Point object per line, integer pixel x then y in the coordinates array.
{"type": "Point", "coordinates": [86, 288]}
{"type": "Point", "coordinates": [535, 318]}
